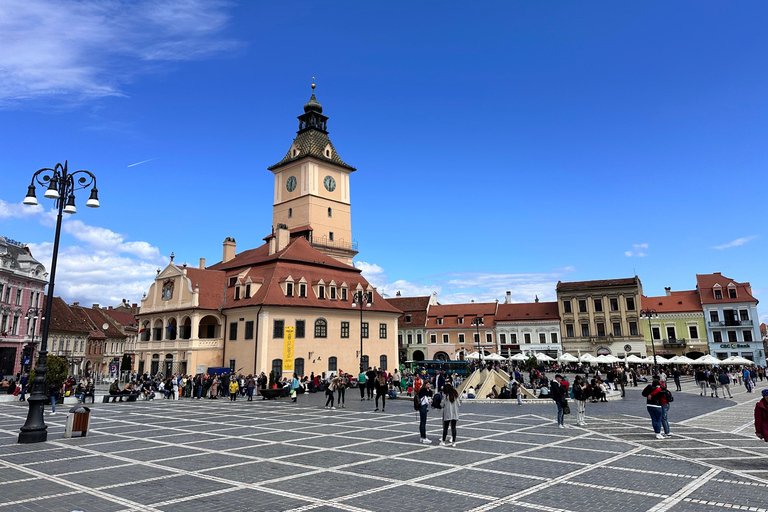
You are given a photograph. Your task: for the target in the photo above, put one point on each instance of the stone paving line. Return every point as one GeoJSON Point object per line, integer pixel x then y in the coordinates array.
{"type": "Point", "coordinates": [529, 460]}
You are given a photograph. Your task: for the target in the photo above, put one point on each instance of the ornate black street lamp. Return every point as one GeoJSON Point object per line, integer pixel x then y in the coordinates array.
{"type": "Point", "coordinates": [32, 313]}
{"type": "Point", "coordinates": [478, 321]}
{"type": "Point", "coordinates": [61, 186]}
{"type": "Point", "coordinates": [362, 300]}
{"type": "Point", "coordinates": [651, 313]}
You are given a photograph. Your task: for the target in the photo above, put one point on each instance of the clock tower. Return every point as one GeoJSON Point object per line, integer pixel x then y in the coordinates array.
{"type": "Point", "coordinates": [312, 188]}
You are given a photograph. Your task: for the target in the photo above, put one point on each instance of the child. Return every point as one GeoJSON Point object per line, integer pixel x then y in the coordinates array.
{"type": "Point", "coordinates": [234, 387]}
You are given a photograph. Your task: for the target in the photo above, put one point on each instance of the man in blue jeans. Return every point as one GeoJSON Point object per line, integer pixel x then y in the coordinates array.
{"type": "Point", "coordinates": [557, 392]}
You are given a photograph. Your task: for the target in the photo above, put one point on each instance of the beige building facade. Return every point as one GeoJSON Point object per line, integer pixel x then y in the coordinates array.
{"type": "Point", "coordinates": [601, 317]}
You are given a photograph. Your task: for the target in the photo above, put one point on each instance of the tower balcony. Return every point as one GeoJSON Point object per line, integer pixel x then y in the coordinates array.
{"type": "Point", "coordinates": [325, 243]}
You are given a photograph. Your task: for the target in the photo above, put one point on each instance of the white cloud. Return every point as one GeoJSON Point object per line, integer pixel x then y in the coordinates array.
{"type": "Point", "coordinates": [18, 210]}
{"type": "Point", "coordinates": [638, 251]}
{"type": "Point", "coordinates": [82, 50]}
{"type": "Point", "coordinates": [462, 287]}
{"type": "Point", "coordinates": [105, 269]}
{"type": "Point", "coordinates": [736, 243]}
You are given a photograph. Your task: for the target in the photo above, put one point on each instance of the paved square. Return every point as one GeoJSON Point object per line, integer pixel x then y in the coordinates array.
{"type": "Point", "coordinates": [214, 455]}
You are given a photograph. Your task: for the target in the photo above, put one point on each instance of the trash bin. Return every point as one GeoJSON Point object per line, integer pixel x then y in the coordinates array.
{"type": "Point", "coordinates": [77, 421]}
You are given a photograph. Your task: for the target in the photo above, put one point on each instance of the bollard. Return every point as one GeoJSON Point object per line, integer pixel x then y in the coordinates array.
{"type": "Point", "coordinates": [77, 421]}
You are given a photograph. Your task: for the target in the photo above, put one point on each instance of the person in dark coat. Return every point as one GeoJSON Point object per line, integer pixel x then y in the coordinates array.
{"type": "Point", "coordinates": [761, 417]}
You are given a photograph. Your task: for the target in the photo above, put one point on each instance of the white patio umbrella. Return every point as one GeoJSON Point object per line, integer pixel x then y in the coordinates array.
{"type": "Point", "coordinates": [683, 360]}
{"type": "Point", "coordinates": [568, 358]}
{"type": "Point", "coordinates": [473, 355]}
{"type": "Point", "coordinates": [707, 359]}
{"type": "Point", "coordinates": [736, 360]}
{"type": "Point", "coordinates": [632, 358]}
{"type": "Point", "coordinates": [544, 357]}
{"type": "Point", "coordinates": [518, 357]}
{"type": "Point", "coordinates": [494, 357]}
{"type": "Point", "coordinates": [587, 358]}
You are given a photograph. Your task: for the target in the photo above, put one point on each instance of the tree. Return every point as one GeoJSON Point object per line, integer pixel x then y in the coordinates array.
{"type": "Point", "coordinates": [57, 371]}
{"type": "Point", "coordinates": [272, 379]}
{"type": "Point", "coordinates": [531, 363]}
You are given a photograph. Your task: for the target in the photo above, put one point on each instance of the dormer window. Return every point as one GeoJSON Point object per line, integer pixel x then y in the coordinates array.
{"type": "Point", "coordinates": [439, 321]}
{"type": "Point", "coordinates": [732, 291]}
{"type": "Point", "coordinates": [237, 293]}
{"type": "Point", "coordinates": [295, 152]}
{"type": "Point", "coordinates": [303, 291]}
{"type": "Point", "coordinates": [321, 292]}
{"type": "Point", "coordinates": [232, 281]}
{"type": "Point", "coordinates": [289, 289]}
{"type": "Point", "coordinates": [460, 320]}
{"type": "Point", "coordinates": [248, 291]}
{"type": "Point", "coordinates": [408, 319]}
{"type": "Point", "coordinates": [344, 294]}
{"type": "Point", "coordinates": [718, 294]}
{"type": "Point", "coordinates": [328, 153]}
{"type": "Point", "coordinates": [333, 293]}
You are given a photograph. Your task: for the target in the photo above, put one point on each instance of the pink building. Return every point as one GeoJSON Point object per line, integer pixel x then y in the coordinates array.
{"type": "Point", "coordinates": [22, 285]}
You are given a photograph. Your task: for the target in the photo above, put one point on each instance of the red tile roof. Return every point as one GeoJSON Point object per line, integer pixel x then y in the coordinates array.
{"type": "Point", "coordinates": [527, 312]}
{"type": "Point", "coordinates": [677, 302]}
{"type": "Point", "coordinates": [211, 284]}
{"type": "Point", "coordinates": [450, 313]}
{"type": "Point", "coordinates": [414, 306]}
{"type": "Point", "coordinates": [97, 319]}
{"type": "Point", "coordinates": [580, 285]}
{"type": "Point", "coordinates": [705, 284]}
{"type": "Point", "coordinates": [127, 320]}
{"type": "Point", "coordinates": [298, 250]}
{"type": "Point", "coordinates": [64, 319]}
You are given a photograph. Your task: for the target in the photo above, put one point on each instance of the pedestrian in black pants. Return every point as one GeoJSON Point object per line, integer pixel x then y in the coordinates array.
{"type": "Point", "coordinates": [370, 377]}
{"type": "Point", "coordinates": [676, 376]}
{"type": "Point", "coordinates": [381, 392]}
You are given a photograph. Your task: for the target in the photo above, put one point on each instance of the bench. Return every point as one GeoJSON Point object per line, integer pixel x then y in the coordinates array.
{"type": "Point", "coordinates": [130, 398]}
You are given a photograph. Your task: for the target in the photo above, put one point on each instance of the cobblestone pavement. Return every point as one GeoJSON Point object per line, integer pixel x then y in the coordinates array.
{"type": "Point", "coordinates": [213, 455]}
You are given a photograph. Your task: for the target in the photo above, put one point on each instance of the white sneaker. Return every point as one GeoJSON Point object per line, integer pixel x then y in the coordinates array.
{"type": "Point", "coordinates": [53, 413]}
{"type": "Point", "coordinates": [426, 441]}
{"type": "Point", "coordinates": [443, 443]}
{"type": "Point", "coordinates": [332, 407]}
{"type": "Point", "coordinates": [453, 444]}
{"type": "Point", "coordinates": [561, 426]}
{"type": "Point", "coordinates": [659, 436]}
{"type": "Point", "coordinates": [668, 435]}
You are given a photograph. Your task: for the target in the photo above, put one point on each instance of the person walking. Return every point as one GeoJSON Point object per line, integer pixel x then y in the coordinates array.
{"type": "Point", "coordinates": [653, 394]}
{"type": "Point", "coordinates": [514, 392]}
{"type": "Point", "coordinates": [361, 384]}
{"type": "Point", "coordinates": [747, 379]}
{"type": "Point", "coordinates": [234, 387]}
{"type": "Point", "coordinates": [713, 382]}
{"type": "Point", "coordinates": [370, 376]}
{"type": "Point", "coordinates": [53, 393]}
{"type": "Point", "coordinates": [295, 387]}
{"type": "Point", "coordinates": [725, 383]}
{"type": "Point", "coordinates": [701, 380]}
{"type": "Point", "coordinates": [761, 417]}
{"type": "Point", "coordinates": [250, 385]}
{"type": "Point", "coordinates": [381, 391]}
{"type": "Point", "coordinates": [424, 394]}
{"type": "Point", "coordinates": [557, 393]}
{"type": "Point", "coordinates": [342, 389]}
{"type": "Point", "coordinates": [329, 394]}
{"type": "Point", "coordinates": [580, 395]}
{"type": "Point", "coordinates": [676, 377]}
{"type": "Point", "coordinates": [665, 401]}
{"type": "Point", "coordinates": [450, 413]}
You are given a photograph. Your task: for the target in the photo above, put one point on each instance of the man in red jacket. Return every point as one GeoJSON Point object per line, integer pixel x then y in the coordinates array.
{"type": "Point", "coordinates": [761, 417]}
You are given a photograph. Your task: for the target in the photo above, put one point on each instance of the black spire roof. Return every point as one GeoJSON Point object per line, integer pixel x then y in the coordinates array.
{"type": "Point", "coordinates": [312, 138]}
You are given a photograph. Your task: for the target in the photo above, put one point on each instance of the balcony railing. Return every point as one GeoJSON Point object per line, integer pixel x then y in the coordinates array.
{"type": "Point", "coordinates": [674, 342]}
{"type": "Point", "coordinates": [731, 323]}
{"type": "Point", "coordinates": [330, 244]}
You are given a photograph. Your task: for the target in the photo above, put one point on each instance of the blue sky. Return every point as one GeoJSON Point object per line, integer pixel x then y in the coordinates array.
{"type": "Point", "coordinates": [499, 145]}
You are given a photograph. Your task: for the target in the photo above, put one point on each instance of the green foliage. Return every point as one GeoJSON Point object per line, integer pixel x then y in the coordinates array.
{"type": "Point", "coordinates": [272, 379]}
{"type": "Point", "coordinates": [57, 370]}
{"type": "Point", "coordinates": [531, 363]}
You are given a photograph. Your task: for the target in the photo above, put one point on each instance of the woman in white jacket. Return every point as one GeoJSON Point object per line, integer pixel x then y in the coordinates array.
{"type": "Point", "coordinates": [450, 413]}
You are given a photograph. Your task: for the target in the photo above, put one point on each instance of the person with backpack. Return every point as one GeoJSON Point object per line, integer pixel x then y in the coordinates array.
{"type": "Point", "coordinates": [580, 395]}
{"type": "Point", "coordinates": [450, 413]}
{"type": "Point", "coordinates": [713, 383]}
{"type": "Point", "coordinates": [381, 391]}
{"type": "Point", "coordinates": [329, 393]}
{"type": "Point", "coordinates": [655, 398]}
{"type": "Point", "coordinates": [421, 403]}
{"type": "Point", "coordinates": [558, 393]}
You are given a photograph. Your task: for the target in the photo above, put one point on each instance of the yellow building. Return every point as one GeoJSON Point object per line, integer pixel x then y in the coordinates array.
{"type": "Point", "coordinates": [237, 312]}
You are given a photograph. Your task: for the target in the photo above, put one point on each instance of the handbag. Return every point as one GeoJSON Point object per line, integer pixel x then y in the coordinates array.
{"type": "Point", "coordinates": [566, 409]}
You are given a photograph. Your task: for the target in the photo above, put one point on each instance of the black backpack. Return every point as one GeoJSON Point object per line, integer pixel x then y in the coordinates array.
{"type": "Point", "coordinates": [437, 401]}
{"type": "Point", "coordinates": [416, 402]}
{"type": "Point", "coordinates": [668, 396]}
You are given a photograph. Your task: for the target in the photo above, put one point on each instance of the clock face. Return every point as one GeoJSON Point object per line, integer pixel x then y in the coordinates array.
{"type": "Point", "coordinates": [291, 184]}
{"type": "Point", "coordinates": [330, 183]}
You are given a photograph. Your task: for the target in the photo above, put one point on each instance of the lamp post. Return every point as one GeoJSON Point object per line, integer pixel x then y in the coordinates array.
{"type": "Point", "coordinates": [362, 300]}
{"type": "Point", "coordinates": [477, 321]}
{"type": "Point", "coordinates": [61, 186]}
{"type": "Point", "coordinates": [32, 312]}
{"type": "Point", "coordinates": [651, 313]}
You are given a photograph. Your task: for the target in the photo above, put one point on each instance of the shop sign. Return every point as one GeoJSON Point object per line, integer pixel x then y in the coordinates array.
{"type": "Point", "coordinates": [627, 348]}
{"type": "Point", "coordinates": [735, 345]}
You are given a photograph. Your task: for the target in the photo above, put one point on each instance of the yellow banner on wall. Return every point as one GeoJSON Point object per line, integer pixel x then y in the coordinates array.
{"type": "Point", "coordinates": [288, 338]}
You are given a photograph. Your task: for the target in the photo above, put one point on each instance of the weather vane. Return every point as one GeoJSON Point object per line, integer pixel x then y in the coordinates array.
{"type": "Point", "coordinates": [313, 83]}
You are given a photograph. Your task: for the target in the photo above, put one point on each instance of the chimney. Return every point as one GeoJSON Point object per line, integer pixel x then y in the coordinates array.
{"type": "Point", "coordinates": [397, 294]}
{"type": "Point", "coordinates": [508, 299]}
{"type": "Point", "coordinates": [76, 304]}
{"type": "Point", "coordinates": [537, 299]}
{"type": "Point", "coordinates": [229, 249]}
{"type": "Point", "coordinates": [109, 308]}
{"type": "Point", "coordinates": [668, 290]}
{"type": "Point", "coordinates": [202, 264]}
{"type": "Point", "coordinates": [282, 237]}
{"type": "Point", "coordinates": [95, 306]}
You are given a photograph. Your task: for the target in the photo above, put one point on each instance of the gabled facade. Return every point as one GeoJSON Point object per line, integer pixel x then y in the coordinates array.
{"type": "Point", "coordinates": [106, 343]}
{"type": "Point", "coordinates": [528, 328]}
{"type": "Point", "coordinates": [455, 330]}
{"type": "Point", "coordinates": [126, 323]}
{"type": "Point", "coordinates": [68, 336]}
{"type": "Point", "coordinates": [22, 284]}
{"type": "Point", "coordinates": [730, 311]}
{"type": "Point", "coordinates": [601, 317]}
{"type": "Point", "coordinates": [412, 325]}
{"type": "Point", "coordinates": [678, 326]}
